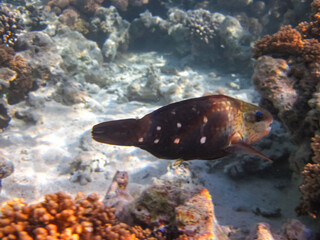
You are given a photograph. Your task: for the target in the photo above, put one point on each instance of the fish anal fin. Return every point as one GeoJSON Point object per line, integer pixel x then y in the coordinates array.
{"type": "Point", "coordinates": [246, 148]}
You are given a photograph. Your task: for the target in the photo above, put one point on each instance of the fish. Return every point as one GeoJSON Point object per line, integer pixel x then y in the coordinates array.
{"type": "Point", "coordinates": [204, 128]}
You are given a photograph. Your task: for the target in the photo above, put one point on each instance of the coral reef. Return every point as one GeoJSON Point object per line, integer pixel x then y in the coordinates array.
{"type": "Point", "coordinates": [166, 210]}
{"type": "Point", "coordinates": [172, 205]}
{"type": "Point", "coordinates": [61, 217]}
{"type": "Point", "coordinates": [86, 6]}
{"type": "Point", "coordinates": [10, 25]}
{"type": "Point", "coordinates": [208, 37]}
{"type": "Point", "coordinates": [103, 25]}
{"type": "Point", "coordinates": [288, 79]}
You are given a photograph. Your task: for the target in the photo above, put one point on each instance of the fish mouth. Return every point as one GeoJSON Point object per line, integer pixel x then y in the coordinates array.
{"type": "Point", "coordinates": [268, 129]}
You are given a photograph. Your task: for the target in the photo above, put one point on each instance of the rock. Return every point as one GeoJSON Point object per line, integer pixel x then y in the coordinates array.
{"type": "Point", "coordinates": [82, 177]}
{"type": "Point", "coordinates": [262, 231]}
{"type": "Point", "coordinates": [70, 92]}
{"type": "Point", "coordinates": [40, 52]}
{"type": "Point", "coordinates": [268, 213]}
{"type": "Point", "coordinates": [118, 196]}
{"type": "Point", "coordinates": [4, 117]}
{"type": "Point", "coordinates": [235, 39]}
{"type": "Point", "coordinates": [108, 23]}
{"type": "Point", "coordinates": [78, 53]}
{"type": "Point", "coordinates": [6, 168]}
{"type": "Point", "coordinates": [6, 75]}
{"type": "Point", "coordinates": [147, 88]}
{"type": "Point", "coordinates": [294, 229]}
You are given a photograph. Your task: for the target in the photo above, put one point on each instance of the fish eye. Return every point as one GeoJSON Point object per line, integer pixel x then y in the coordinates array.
{"type": "Point", "coordinates": [258, 116]}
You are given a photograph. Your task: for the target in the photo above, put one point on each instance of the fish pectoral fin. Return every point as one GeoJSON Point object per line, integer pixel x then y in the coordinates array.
{"type": "Point", "coordinates": [243, 147]}
{"type": "Point", "coordinates": [235, 138]}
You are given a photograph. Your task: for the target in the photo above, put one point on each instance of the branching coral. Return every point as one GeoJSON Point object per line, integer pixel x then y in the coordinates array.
{"type": "Point", "coordinates": [202, 26]}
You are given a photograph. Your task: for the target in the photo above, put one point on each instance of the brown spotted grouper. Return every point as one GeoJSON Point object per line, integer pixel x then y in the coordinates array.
{"type": "Point", "coordinates": [208, 128]}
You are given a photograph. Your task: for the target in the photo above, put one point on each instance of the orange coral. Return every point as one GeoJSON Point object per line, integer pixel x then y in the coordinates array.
{"type": "Point", "coordinates": [60, 216]}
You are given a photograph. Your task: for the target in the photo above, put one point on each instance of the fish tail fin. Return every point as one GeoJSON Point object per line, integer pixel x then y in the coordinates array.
{"type": "Point", "coordinates": [119, 132]}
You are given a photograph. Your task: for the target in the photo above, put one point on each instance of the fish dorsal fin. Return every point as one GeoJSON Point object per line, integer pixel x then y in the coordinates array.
{"type": "Point", "coordinates": [237, 145]}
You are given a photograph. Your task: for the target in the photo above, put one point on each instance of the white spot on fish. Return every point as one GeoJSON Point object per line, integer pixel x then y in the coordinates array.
{"type": "Point", "coordinates": [176, 141]}
{"type": "Point", "coordinates": [158, 128]}
{"type": "Point", "coordinates": [140, 140]}
{"type": "Point", "coordinates": [179, 125]}
{"type": "Point", "coordinates": [194, 109]}
{"type": "Point", "coordinates": [205, 119]}
{"type": "Point", "coordinates": [156, 140]}
{"type": "Point", "coordinates": [203, 140]}
{"type": "Point", "coordinates": [173, 113]}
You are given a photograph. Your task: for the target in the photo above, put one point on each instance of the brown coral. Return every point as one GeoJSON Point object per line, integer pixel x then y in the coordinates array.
{"type": "Point", "coordinates": [10, 25]}
{"type": "Point", "coordinates": [271, 79]}
{"type": "Point", "coordinates": [22, 83]}
{"type": "Point", "coordinates": [287, 41]}
{"type": "Point", "coordinates": [310, 191]}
